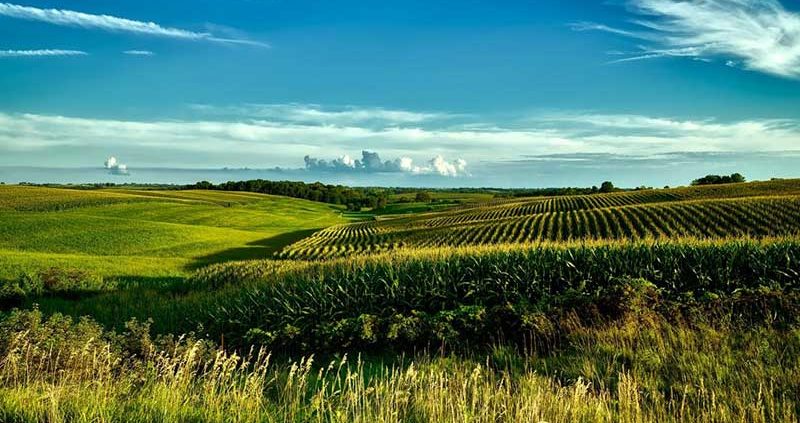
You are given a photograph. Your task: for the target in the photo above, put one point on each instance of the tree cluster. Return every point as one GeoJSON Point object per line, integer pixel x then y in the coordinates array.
{"type": "Point", "coordinates": [734, 178]}
{"type": "Point", "coordinates": [354, 198]}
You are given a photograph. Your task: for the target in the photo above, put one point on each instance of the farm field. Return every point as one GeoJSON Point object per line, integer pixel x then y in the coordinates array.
{"type": "Point", "coordinates": [750, 210]}
{"type": "Point", "coordinates": [134, 233]}
{"type": "Point", "coordinates": [683, 331]}
{"type": "Point", "coordinates": [407, 203]}
{"type": "Point", "coordinates": [677, 305]}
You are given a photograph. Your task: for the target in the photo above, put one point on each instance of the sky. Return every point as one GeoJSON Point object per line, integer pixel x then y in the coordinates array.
{"type": "Point", "coordinates": [412, 93]}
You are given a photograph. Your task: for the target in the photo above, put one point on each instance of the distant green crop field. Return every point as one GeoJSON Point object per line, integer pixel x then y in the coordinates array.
{"type": "Point", "coordinates": [147, 232]}
{"type": "Point", "coordinates": [412, 208]}
{"type": "Point", "coordinates": [445, 196]}
{"type": "Point", "coordinates": [755, 209]}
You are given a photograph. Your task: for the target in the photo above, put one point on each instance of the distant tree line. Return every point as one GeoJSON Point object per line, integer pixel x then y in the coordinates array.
{"type": "Point", "coordinates": [605, 187]}
{"type": "Point", "coordinates": [734, 178]}
{"type": "Point", "coordinates": [103, 185]}
{"type": "Point", "coordinates": [354, 198]}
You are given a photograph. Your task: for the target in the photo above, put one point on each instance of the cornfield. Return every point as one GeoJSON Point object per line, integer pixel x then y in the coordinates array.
{"type": "Point", "coordinates": [624, 216]}
{"type": "Point", "coordinates": [329, 303]}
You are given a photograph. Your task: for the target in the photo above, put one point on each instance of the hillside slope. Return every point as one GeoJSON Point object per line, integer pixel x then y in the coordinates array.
{"type": "Point", "coordinates": [147, 233]}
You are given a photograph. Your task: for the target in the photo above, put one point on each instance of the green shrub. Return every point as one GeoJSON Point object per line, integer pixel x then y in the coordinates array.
{"type": "Point", "coordinates": [70, 283]}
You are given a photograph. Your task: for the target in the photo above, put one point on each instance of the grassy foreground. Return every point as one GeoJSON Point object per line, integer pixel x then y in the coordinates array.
{"type": "Point", "coordinates": [634, 370]}
{"type": "Point", "coordinates": [684, 331]}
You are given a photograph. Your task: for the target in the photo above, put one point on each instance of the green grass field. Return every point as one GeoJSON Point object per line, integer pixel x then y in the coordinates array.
{"type": "Point", "coordinates": [147, 233]}
{"type": "Point", "coordinates": [404, 204]}
{"type": "Point", "coordinates": [678, 305]}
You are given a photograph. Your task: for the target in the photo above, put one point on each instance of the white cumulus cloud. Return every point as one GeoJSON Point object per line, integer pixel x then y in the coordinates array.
{"type": "Point", "coordinates": [441, 166]}
{"type": "Point", "coordinates": [371, 162]}
{"type": "Point", "coordinates": [115, 167]}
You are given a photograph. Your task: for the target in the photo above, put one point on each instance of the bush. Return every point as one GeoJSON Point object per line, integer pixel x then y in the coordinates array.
{"type": "Point", "coordinates": [57, 344]}
{"type": "Point", "coordinates": [52, 281]}
{"type": "Point", "coordinates": [423, 197]}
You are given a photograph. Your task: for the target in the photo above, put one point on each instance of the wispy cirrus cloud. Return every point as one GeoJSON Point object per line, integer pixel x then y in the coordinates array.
{"type": "Point", "coordinates": [138, 53]}
{"type": "Point", "coordinates": [41, 53]}
{"type": "Point", "coordinates": [111, 23]}
{"type": "Point", "coordinates": [593, 26]}
{"type": "Point", "coordinates": [317, 114]}
{"type": "Point", "coordinates": [761, 35]}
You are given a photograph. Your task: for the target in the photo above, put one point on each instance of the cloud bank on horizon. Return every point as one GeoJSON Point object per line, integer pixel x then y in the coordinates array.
{"type": "Point", "coordinates": [261, 142]}
{"type": "Point", "coordinates": [371, 162]}
{"type": "Point", "coordinates": [758, 35]}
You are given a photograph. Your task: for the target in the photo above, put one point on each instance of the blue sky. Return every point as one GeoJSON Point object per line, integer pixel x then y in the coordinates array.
{"type": "Point", "coordinates": [448, 93]}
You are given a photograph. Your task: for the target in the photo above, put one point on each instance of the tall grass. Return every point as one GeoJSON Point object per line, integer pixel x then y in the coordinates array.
{"type": "Point", "coordinates": [58, 370]}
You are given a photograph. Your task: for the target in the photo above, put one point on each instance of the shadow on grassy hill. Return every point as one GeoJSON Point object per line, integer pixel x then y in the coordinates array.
{"type": "Point", "coordinates": [261, 249]}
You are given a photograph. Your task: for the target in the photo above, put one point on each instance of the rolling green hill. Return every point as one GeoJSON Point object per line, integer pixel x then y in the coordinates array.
{"type": "Point", "coordinates": [147, 233]}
